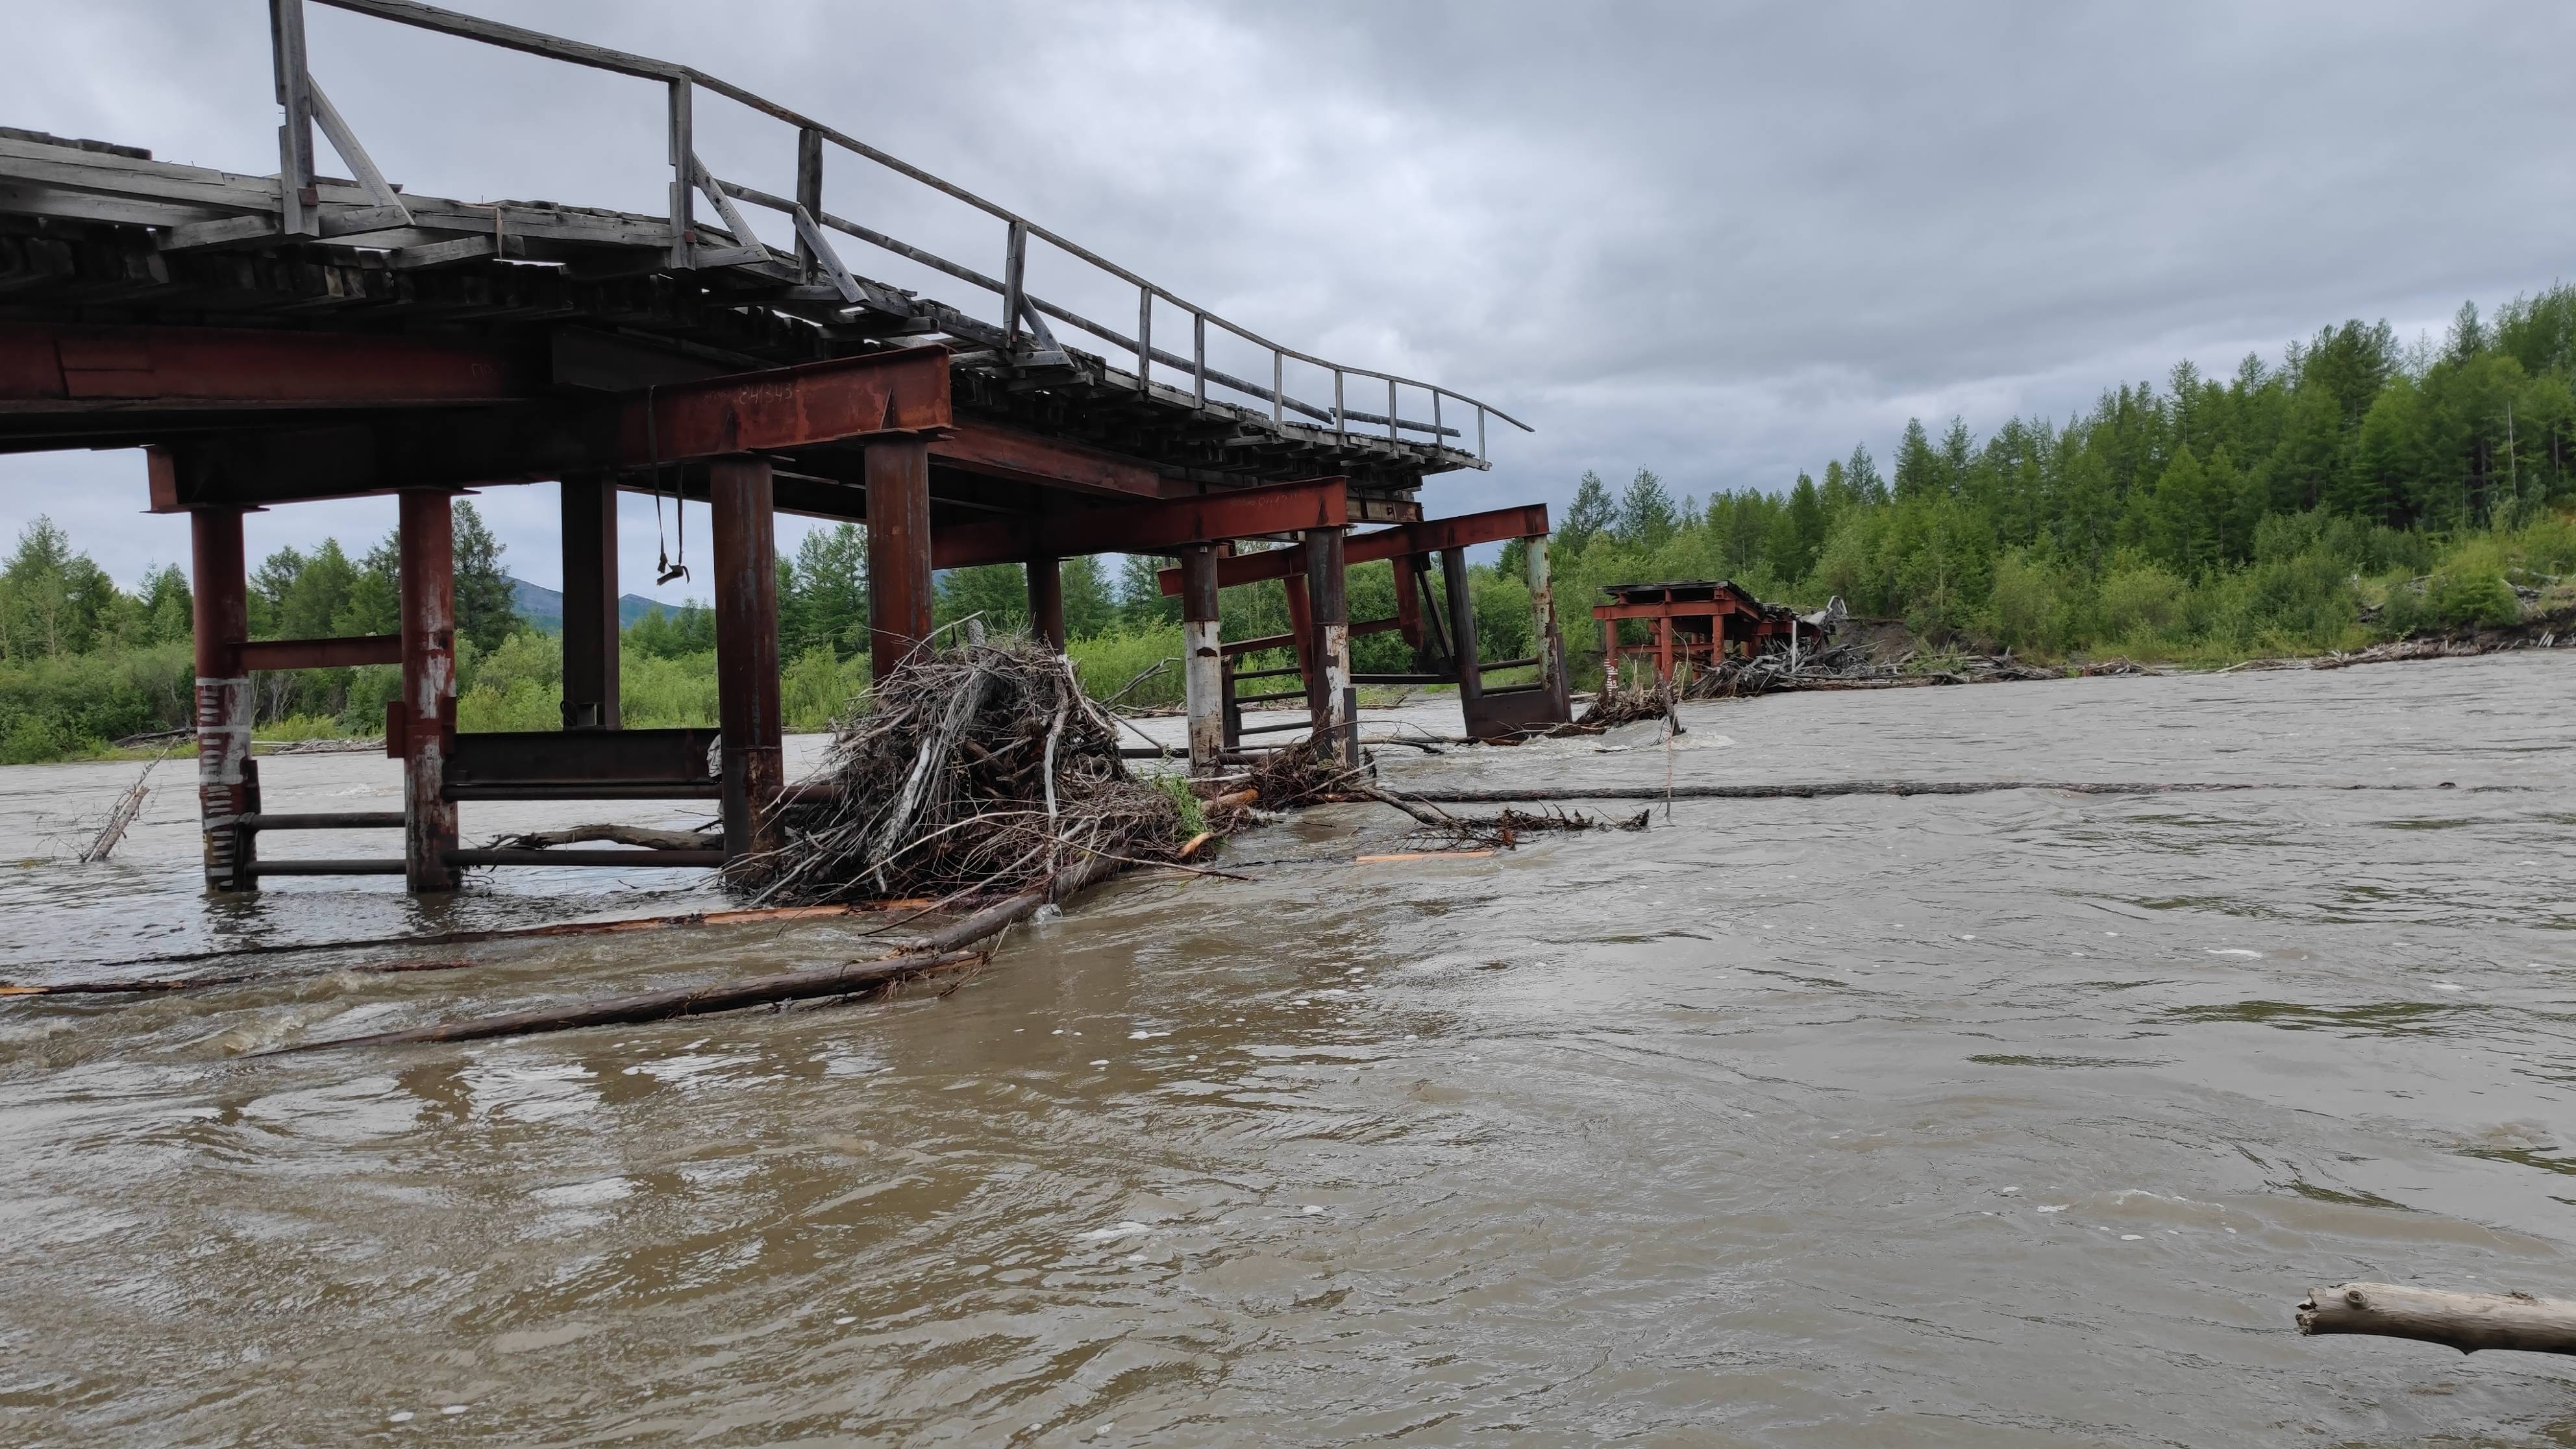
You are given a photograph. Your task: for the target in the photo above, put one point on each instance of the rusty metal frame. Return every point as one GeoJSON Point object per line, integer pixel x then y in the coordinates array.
{"type": "Point", "coordinates": [1431, 535]}
{"type": "Point", "coordinates": [847, 400]}
{"type": "Point", "coordinates": [1158, 527]}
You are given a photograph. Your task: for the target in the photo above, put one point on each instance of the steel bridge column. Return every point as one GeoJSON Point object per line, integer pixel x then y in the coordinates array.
{"type": "Point", "coordinates": [1332, 701]}
{"type": "Point", "coordinates": [900, 582]}
{"type": "Point", "coordinates": [1202, 657]}
{"type": "Point", "coordinates": [1046, 601]}
{"type": "Point", "coordinates": [227, 777]}
{"type": "Point", "coordinates": [741, 496]}
{"type": "Point", "coordinates": [590, 602]}
{"type": "Point", "coordinates": [427, 709]}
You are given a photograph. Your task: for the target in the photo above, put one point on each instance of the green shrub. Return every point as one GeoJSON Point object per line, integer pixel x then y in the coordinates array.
{"type": "Point", "coordinates": [2469, 594]}
{"type": "Point", "coordinates": [1107, 662]}
{"type": "Point", "coordinates": [2142, 600]}
{"type": "Point", "coordinates": [1176, 788]}
{"type": "Point", "coordinates": [817, 689]}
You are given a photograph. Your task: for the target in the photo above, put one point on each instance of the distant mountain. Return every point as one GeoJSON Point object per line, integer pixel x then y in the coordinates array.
{"type": "Point", "coordinates": [543, 607]}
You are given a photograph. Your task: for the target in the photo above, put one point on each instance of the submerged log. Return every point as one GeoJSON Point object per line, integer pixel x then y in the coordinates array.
{"type": "Point", "coordinates": [2465, 1321]}
{"type": "Point", "coordinates": [199, 983]}
{"type": "Point", "coordinates": [764, 915]}
{"type": "Point", "coordinates": [941, 950]}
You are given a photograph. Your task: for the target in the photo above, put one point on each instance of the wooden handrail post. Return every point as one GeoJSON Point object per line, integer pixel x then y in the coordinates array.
{"type": "Point", "coordinates": [1144, 339]}
{"type": "Point", "coordinates": [1015, 265]}
{"type": "Point", "coordinates": [298, 206]}
{"type": "Point", "coordinates": [809, 195]}
{"type": "Point", "coordinates": [684, 164]}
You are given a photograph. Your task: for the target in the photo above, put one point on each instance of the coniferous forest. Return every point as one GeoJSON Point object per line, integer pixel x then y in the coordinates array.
{"type": "Point", "coordinates": [2357, 487]}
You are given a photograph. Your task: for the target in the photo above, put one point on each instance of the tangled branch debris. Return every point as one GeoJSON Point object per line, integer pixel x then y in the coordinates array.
{"type": "Point", "coordinates": [971, 774]}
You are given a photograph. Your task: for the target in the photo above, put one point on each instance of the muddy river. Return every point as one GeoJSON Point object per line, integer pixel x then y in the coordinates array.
{"type": "Point", "coordinates": [2006, 1119]}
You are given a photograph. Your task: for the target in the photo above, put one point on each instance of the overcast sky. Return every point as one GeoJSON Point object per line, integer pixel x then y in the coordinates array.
{"type": "Point", "coordinates": [1724, 242]}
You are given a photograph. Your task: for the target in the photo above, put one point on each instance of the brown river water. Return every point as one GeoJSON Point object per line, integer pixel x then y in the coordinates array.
{"type": "Point", "coordinates": [2007, 1119]}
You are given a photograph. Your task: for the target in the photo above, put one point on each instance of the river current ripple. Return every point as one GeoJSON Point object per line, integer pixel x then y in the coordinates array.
{"type": "Point", "coordinates": [2007, 1119]}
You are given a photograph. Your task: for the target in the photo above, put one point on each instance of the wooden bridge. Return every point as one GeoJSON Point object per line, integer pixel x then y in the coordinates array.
{"type": "Point", "coordinates": [269, 339]}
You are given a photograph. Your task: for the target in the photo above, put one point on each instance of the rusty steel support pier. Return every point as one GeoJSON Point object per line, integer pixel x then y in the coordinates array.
{"type": "Point", "coordinates": [590, 622]}
{"type": "Point", "coordinates": [1201, 657]}
{"type": "Point", "coordinates": [426, 709]}
{"type": "Point", "coordinates": [227, 776]}
{"type": "Point", "coordinates": [747, 709]}
{"type": "Point", "coordinates": [902, 591]}
{"type": "Point", "coordinates": [1442, 639]}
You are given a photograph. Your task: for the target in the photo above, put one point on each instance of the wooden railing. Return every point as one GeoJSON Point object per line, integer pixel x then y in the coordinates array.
{"type": "Point", "coordinates": [1025, 335]}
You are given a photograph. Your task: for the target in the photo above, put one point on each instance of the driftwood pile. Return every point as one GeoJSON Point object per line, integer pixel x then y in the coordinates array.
{"type": "Point", "coordinates": [972, 773]}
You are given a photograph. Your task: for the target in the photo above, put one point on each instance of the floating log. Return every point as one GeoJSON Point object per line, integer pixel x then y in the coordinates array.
{"type": "Point", "coordinates": [2465, 1321]}
{"type": "Point", "coordinates": [941, 950]}
{"type": "Point", "coordinates": [1487, 796]}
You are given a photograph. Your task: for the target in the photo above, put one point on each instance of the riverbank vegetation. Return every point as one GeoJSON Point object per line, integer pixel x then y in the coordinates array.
{"type": "Point", "coordinates": [2356, 489]}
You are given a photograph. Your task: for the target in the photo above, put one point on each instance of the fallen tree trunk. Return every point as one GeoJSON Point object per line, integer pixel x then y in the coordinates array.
{"type": "Point", "coordinates": [2465, 1321]}
{"type": "Point", "coordinates": [939, 951]}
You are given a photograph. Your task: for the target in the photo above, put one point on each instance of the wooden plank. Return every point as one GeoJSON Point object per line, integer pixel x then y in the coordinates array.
{"type": "Point", "coordinates": [345, 141]}
{"type": "Point", "coordinates": [513, 37]}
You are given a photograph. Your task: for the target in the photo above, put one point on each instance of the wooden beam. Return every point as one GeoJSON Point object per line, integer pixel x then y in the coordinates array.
{"type": "Point", "coordinates": [1161, 527]}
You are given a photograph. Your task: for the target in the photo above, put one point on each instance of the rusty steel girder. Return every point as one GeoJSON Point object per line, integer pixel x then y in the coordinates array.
{"type": "Point", "coordinates": [1431, 535]}
{"type": "Point", "coordinates": [898, 394]}
{"type": "Point", "coordinates": [81, 368]}
{"type": "Point", "coordinates": [1160, 527]}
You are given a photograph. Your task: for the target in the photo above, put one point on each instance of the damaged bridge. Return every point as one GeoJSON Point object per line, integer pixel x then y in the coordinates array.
{"type": "Point", "coordinates": [269, 339]}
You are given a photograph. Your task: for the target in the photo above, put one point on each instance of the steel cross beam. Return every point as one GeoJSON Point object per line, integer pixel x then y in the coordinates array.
{"type": "Point", "coordinates": [75, 368]}
{"type": "Point", "coordinates": [1157, 527]}
{"type": "Point", "coordinates": [877, 395]}
{"type": "Point", "coordinates": [1431, 535]}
